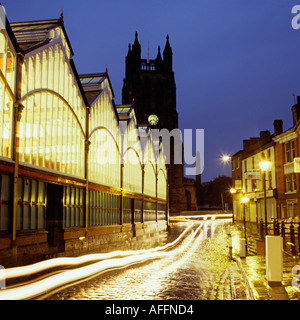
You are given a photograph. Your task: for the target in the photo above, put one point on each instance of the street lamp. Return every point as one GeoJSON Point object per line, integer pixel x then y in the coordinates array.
{"type": "Point", "coordinates": [232, 191]}
{"type": "Point", "coordinates": [264, 166]}
{"type": "Point", "coordinates": [225, 158]}
{"type": "Point", "coordinates": [245, 200]}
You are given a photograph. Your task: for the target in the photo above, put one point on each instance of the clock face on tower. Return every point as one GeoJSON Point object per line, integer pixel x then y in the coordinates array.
{"type": "Point", "coordinates": [153, 119]}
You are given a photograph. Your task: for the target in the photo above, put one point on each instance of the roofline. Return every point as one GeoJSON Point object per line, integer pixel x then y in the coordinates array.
{"type": "Point", "coordinates": [87, 75]}
{"type": "Point", "coordinates": [38, 22]}
{"type": "Point", "coordinates": [286, 132]}
{"type": "Point", "coordinates": [67, 38]}
{"type": "Point", "coordinates": [78, 81]}
{"type": "Point", "coordinates": [12, 36]}
{"type": "Point", "coordinates": [35, 22]}
{"type": "Point", "coordinates": [102, 74]}
{"type": "Point", "coordinates": [269, 144]}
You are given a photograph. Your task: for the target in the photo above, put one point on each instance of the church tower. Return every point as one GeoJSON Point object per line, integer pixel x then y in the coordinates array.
{"type": "Point", "coordinates": [149, 85]}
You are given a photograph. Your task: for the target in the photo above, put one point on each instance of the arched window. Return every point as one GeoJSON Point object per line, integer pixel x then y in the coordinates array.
{"type": "Point", "coordinates": [2, 50]}
{"type": "Point", "coordinates": [132, 177]}
{"type": "Point", "coordinates": [150, 180]}
{"type": "Point", "coordinates": [51, 135]}
{"type": "Point", "coordinates": [104, 158]}
{"type": "Point", "coordinates": [161, 186]}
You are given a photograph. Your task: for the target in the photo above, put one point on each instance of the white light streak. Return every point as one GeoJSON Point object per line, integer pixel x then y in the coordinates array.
{"type": "Point", "coordinates": [129, 257]}
{"type": "Point", "coordinates": [58, 262]}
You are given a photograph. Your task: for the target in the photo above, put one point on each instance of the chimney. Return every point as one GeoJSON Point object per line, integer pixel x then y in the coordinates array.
{"type": "Point", "coordinates": [246, 144]}
{"type": "Point", "coordinates": [277, 127]}
{"type": "Point", "coordinates": [265, 134]}
{"type": "Point", "coordinates": [296, 111]}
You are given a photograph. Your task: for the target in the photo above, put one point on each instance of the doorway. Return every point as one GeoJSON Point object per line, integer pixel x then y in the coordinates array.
{"type": "Point", "coordinates": [54, 213]}
{"type": "Point", "coordinates": [188, 200]}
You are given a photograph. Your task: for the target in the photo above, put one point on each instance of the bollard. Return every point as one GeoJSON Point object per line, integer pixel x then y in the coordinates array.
{"type": "Point", "coordinates": [274, 258]}
{"type": "Point", "coordinates": [243, 248]}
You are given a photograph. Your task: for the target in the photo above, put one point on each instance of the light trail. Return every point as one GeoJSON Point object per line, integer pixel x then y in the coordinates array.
{"type": "Point", "coordinates": [204, 216]}
{"type": "Point", "coordinates": [69, 261]}
{"type": "Point", "coordinates": [39, 287]}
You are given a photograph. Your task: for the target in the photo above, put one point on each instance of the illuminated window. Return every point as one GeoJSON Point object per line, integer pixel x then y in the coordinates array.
{"type": "Point", "coordinates": [150, 180]}
{"type": "Point", "coordinates": [73, 205]}
{"type": "Point", "coordinates": [6, 100]}
{"type": "Point", "coordinates": [31, 204]}
{"type": "Point", "coordinates": [161, 186]}
{"type": "Point", "coordinates": [132, 172]}
{"type": "Point", "coordinates": [104, 154]}
{"type": "Point", "coordinates": [290, 182]}
{"type": "Point", "coordinates": [52, 126]}
{"type": "Point", "coordinates": [104, 208]}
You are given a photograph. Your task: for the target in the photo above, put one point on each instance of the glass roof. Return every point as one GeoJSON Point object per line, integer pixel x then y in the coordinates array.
{"type": "Point", "coordinates": [30, 27]}
{"type": "Point", "coordinates": [91, 80]}
{"type": "Point", "coordinates": [124, 110]}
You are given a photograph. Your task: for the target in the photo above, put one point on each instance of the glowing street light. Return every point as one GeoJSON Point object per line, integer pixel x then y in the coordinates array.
{"type": "Point", "coordinates": [225, 158]}
{"type": "Point", "coordinates": [244, 200]}
{"type": "Point", "coordinates": [264, 165]}
{"type": "Point", "coordinates": [232, 190]}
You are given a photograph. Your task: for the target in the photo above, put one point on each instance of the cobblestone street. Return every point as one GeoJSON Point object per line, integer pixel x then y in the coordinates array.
{"type": "Point", "coordinates": [202, 272]}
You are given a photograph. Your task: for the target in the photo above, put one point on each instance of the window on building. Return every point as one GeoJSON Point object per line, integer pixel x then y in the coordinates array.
{"type": "Point", "coordinates": [293, 181]}
{"type": "Point", "coordinates": [31, 204]}
{"type": "Point", "coordinates": [292, 150]}
{"type": "Point", "coordinates": [254, 185]}
{"type": "Point", "coordinates": [290, 182]}
{"type": "Point", "coordinates": [269, 155]}
{"type": "Point", "coordinates": [270, 179]}
{"type": "Point", "coordinates": [289, 151]}
{"type": "Point", "coordinates": [73, 204]}
{"type": "Point", "coordinates": [104, 208]}
{"type": "Point", "coordinates": [5, 198]}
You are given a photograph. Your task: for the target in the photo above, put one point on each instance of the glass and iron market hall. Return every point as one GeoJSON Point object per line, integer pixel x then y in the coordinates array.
{"type": "Point", "coordinates": [72, 163]}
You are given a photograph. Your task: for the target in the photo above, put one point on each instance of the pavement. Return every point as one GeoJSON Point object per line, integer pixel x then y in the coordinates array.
{"type": "Point", "coordinates": [253, 269]}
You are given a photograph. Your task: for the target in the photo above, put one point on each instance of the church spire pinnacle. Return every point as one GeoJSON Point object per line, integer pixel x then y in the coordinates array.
{"type": "Point", "coordinates": [168, 56]}
{"type": "Point", "coordinates": [136, 47]}
{"type": "Point", "coordinates": [61, 18]}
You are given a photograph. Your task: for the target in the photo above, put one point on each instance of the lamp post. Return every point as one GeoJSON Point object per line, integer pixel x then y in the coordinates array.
{"type": "Point", "coordinates": [245, 200]}
{"type": "Point", "coordinates": [232, 191]}
{"type": "Point", "coordinates": [264, 166]}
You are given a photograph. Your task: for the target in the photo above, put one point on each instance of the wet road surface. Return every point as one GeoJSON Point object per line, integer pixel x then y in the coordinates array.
{"type": "Point", "coordinates": [202, 271]}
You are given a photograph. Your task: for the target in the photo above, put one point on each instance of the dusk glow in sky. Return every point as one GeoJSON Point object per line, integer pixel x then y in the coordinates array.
{"type": "Point", "coordinates": [236, 62]}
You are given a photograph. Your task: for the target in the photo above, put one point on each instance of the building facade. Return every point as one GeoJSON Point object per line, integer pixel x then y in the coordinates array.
{"type": "Point", "coordinates": [287, 149]}
{"type": "Point", "coordinates": [72, 165]}
{"type": "Point", "coordinates": [282, 149]}
{"type": "Point", "coordinates": [248, 179]}
{"type": "Point", "coordinates": [150, 86]}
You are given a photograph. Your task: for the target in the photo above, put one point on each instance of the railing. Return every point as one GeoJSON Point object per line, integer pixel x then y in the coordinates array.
{"type": "Point", "coordinates": [289, 229]}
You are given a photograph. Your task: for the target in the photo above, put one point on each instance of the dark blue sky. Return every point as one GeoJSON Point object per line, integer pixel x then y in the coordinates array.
{"type": "Point", "coordinates": [236, 62]}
